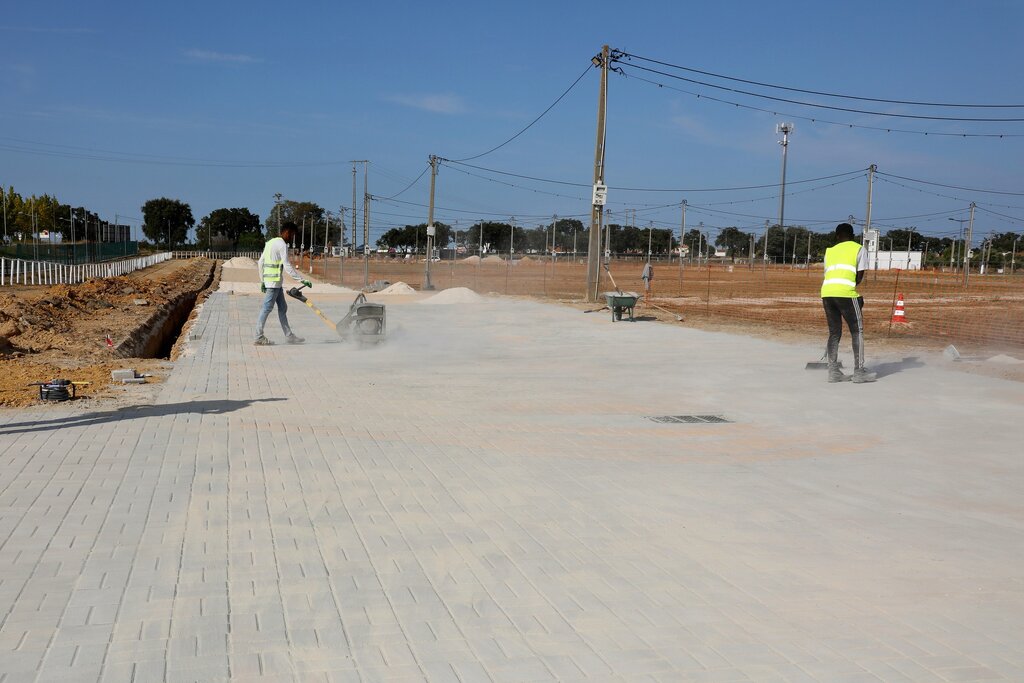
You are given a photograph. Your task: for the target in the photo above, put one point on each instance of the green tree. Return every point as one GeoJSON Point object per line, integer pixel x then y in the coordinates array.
{"type": "Point", "coordinates": [734, 241]}
{"type": "Point", "coordinates": [230, 224]}
{"type": "Point", "coordinates": [414, 237]}
{"type": "Point", "coordinates": [303, 214]}
{"type": "Point", "coordinates": [167, 221]}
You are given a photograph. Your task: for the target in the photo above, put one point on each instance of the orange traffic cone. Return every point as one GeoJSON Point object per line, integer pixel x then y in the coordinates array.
{"type": "Point", "coordinates": [899, 314]}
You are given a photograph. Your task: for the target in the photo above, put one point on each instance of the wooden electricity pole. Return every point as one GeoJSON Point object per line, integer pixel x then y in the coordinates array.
{"type": "Point", "coordinates": [431, 230]}
{"type": "Point", "coordinates": [596, 209]}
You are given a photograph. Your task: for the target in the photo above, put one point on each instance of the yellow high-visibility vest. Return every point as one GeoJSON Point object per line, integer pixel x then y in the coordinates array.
{"type": "Point", "coordinates": [841, 270]}
{"type": "Point", "coordinates": [271, 268]}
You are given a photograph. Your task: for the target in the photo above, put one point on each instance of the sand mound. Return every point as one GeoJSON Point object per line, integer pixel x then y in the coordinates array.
{"type": "Point", "coordinates": [493, 259]}
{"type": "Point", "coordinates": [455, 295]}
{"type": "Point", "coordinates": [398, 288]}
{"type": "Point", "coordinates": [1005, 360]}
{"type": "Point", "coordinates": [240, 262]}
{"type": "Point", "coordinates": [472, 260]}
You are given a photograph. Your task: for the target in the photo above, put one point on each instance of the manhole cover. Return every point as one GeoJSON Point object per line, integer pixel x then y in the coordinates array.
{"type": "Point", "coordinates": [688, 419]}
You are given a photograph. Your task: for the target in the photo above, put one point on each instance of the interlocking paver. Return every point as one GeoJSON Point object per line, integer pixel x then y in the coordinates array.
{"type": "Point", "coordinates": [481, 498]}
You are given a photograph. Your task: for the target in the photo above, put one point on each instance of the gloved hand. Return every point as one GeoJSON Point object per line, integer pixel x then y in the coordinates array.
{"type": "Point", "coordinates": [263, 288]}
{"type": "Point", "coordinates": [308, 284]}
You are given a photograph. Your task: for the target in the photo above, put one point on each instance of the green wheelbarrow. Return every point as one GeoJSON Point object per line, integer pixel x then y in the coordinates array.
{"type": "Point", "coordinates": [620, 303]}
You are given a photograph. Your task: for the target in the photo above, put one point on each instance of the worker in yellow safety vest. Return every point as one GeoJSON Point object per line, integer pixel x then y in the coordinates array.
{"type": "Point", "coordinates": [845, 264]}
{"type": "Point", "coordinates": [271, 266]}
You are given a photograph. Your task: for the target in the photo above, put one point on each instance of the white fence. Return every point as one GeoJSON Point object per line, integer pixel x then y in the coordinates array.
{"type": "Point", "coordinates": [21, 272]}
{"type": "Point", "coordinates": [221, 255]}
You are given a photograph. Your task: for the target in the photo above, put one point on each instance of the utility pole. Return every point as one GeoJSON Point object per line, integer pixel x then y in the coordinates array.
{"type": "Point", "coordinates": [967, 246]}
{"type": "Point", "coordinates": [366, 216]}
{"type": "Point", "coordinates": [554, 231]}
{"type": "Point", "coordinates": [431, 230]}
{"type": "Point", "coordinates": [767, 223]}
{"type": "Point", "coordinates": [910, 235]}
{"type": "Point", "coordinates": [277, 206]}
{"type": "Point", "coordinates": [597, 205]}
{"type": "Point", "coordinates": [785, 129]}
{"type": "Point", "coordinates": [871, 177]}
{"type": "Point", "coordinates": [341, 247]}
{"type": "Point", "coordinates": [682, 236]}
{"type": "Point", "coordinates": [355, 212]}
{"type": "Point", "coordinates": [1013, 255]}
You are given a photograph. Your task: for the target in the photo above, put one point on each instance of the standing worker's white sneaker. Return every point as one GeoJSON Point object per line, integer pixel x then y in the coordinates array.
{"type": "Point", "coordinates": [861, 376]}
{"type": "Point", "coordinates": [262, 341]}
{"type": "Point", "coordinates": [295, 339]}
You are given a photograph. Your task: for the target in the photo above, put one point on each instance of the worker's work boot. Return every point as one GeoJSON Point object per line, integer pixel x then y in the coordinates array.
{"type": "Point", "coordinates": [862, 376]}
{"type": "Point", "coordinates": [835, 374]}
{"type": "Point", "coordinates": [262, 341]}
{"type": "Point", "coordinates": [293, 338]}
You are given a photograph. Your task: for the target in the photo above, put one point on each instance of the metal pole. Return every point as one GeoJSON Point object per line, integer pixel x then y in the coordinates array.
{"type": "Point", "coordinates": [967, 246]}
{"type": "Point", "coordinates": [355, 212]}
{"type": "Point", "coordinates": [910, 235]}
{"type": "Point", "coordinates": [366, 224]}
{"type": "Point", "coordinates": [785, 129]}
{"type": "Point", "coordinates": [871, 177]}
{"type": "Point", "coordinates": [682, 238]}
{"type": "Point", "coordinates": [1013, 255]}
{"type": "Point", "coordinates": [594, 244]}
{"type": "Point", "coordinates": [554, 231]}
{"type": "Point", "coordinates": [431, 230]}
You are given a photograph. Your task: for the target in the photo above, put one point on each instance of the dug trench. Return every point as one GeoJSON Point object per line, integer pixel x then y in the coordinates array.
{"type": "Point", "coordinates": [82, 332]}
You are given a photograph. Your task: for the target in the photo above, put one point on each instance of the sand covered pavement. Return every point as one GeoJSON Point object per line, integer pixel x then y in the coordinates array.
{"type": "Point", "coordinates": [507, 490]}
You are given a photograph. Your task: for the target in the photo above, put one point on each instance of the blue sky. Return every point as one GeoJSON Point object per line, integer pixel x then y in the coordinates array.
{"type": "Point", "coordinates": [225, 104]}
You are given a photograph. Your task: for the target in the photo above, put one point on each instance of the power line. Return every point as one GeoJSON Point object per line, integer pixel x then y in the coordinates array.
{"type": "Point", "coordinates": [826, 106]}
{"type": "Point", "coordinates": [657, 189]}
{"type": "Point", "coordinates": [951, 187]}
{"type": "Point", "coordinates": [410, 184]}
{"type": "Point", "coordinates": [550, 107]}
{"type": "Point", "coordinates": [134, 158]}
{"type": "Point", "coordinates": [819, 92]}
{"type": "Point", "coordinates": [811, 119]}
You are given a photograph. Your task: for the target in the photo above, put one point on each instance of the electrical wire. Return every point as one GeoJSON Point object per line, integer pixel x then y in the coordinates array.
{"type": "Point", "coordinates": [410, 184]}
{"type": "Point", "coordinates": [620, 53]}
{"type": "Point", "coordinates": [951, 187]}
{"type": "Point", "coordinates": [811, 119]}
{"type": "Point", "coordinates": [530, 125]}
{"type": "Point", "coordinates": [828, 106]}
{"type": "Point", "coordinates": [131, 158]}
{"type": "Point", "coordinates": [655, 189]}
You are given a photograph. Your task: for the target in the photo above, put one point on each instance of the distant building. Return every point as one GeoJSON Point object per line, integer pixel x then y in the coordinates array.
{"type": "Point", "coordinates": [888, 260]}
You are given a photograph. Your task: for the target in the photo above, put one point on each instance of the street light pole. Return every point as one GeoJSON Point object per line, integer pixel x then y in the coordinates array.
{"type": "Point", "coordinates": [785, 129]}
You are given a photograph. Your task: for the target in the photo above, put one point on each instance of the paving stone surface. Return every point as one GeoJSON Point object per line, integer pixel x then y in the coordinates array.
{"type": "Point", "coordinates": [484, 498]}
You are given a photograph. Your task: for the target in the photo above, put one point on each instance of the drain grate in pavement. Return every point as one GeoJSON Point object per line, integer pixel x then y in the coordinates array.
{"type": "Point", "coordinates": [688, 419]}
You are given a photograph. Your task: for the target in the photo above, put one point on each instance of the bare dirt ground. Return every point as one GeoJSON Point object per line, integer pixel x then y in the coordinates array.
{"type": "Point", "coordinates": [62, 331]}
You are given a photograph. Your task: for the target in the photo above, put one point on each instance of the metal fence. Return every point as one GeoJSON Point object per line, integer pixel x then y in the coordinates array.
{"type": "Point", "coordinates": [25, 272]}
{"type": "Point", "coordinates": [68, 253]}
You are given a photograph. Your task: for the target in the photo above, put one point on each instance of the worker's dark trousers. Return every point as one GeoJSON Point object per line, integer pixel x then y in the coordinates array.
{"type": "Point", "coordinates": [837, 309]}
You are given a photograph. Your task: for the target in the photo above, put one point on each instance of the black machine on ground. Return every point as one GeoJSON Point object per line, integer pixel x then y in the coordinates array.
{"type": "Point", "coordinates": [365, 322]}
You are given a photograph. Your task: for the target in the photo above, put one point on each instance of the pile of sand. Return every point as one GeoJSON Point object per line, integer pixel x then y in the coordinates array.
{"type": "Point", "coordinates": [397, 288]}
{"type": "Point", "coordinates": [472, 260]}
{"type": "Point", "coordinates": [455, 295]}
{"type": "Point", "coordinates": [240, 262]}
{"type": "Point", "coordinates": [493, 259]}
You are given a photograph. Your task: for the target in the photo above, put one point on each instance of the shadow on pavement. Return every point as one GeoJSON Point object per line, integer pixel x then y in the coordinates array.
{"type": "Point", "coordinates": [131, 413]}
{"type": "Point", "coordinates": [886, 369]}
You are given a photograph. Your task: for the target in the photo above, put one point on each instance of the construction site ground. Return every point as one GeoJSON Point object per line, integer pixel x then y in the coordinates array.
{"type": "Point", "coordinates": [62, 331]}
{"type": "Point", "coordinates": [514, 490]}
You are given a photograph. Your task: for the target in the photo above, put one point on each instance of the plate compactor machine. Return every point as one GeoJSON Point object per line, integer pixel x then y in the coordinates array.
{"type": "Point", "coordinates": [365, 322]}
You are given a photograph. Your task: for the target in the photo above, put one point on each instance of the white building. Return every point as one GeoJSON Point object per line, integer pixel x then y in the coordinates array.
{"type": "Point", "coordinates": [888, 260]}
